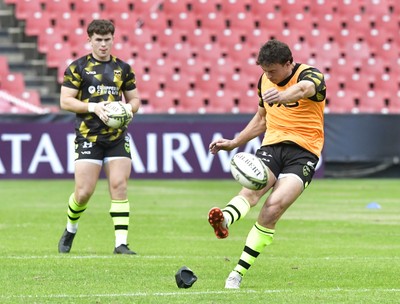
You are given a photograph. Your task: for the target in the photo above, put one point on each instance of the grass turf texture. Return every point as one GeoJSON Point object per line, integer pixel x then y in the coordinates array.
{"type": "Point", "coordinates": [328, 248]}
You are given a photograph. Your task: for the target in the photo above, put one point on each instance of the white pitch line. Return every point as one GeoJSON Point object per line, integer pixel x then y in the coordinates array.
{"type": "Point", "coordinates": [155, 257]}
{"type": "Point", "coordinates": [133, 294]}
{"type": "Point", "coordinates": [191, 293]}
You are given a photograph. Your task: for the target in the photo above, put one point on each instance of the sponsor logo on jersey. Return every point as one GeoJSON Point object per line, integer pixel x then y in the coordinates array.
{"type": "Point", "coordinates": [117, 74]}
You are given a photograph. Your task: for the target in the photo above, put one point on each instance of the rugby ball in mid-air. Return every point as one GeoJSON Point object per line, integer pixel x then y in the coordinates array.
{"type": "Point", "coordinates": [118, 116]}
{"type": "Point", "coordinates": [249, 171]}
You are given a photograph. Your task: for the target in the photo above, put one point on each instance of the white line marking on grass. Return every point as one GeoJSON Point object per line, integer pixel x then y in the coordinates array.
{"type": "Point", "coordinates": [191, 293]}
{"type": "Point", "coordinates": [133, 294]}
{"type": "Point", "coordinates": [155, 257]}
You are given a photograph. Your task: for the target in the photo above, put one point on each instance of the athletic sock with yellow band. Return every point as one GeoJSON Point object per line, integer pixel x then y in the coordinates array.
{"type": "Point", "coordinates": [74, 213]}
{"type": "Point", "coordinates": [258, 238]}
{"type": "Point", "coordinates": [236, 209]}
{"type": "Point", "coordinates": [119, 212]}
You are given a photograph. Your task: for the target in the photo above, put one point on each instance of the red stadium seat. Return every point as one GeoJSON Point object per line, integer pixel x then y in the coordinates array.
{"type": "Point", "coordinates": [241, 21]}
{"type": "Point", "coordinates": [263, 8]}
{"type": "Point", "coordinates": [387, 83]}
{"type": "Point", "coordinates": [221, 101]}
{"type": "Point", "coordinates": [349, 8]}
{"type": "Point", "coordinates": [210, 52]}
{"type": "Point", "coordinates": [373, 102]}
{"type": "Point", "coordinates": [171, 36]}
{"type": "Point", "coordinates": [258, 37]}
{"type": "Point", "coordinates": [394, 103]}
{"type": "Point", "coordinates": [290, 7]}
{"type": "Point", "coordinates": [390, 23]}
{"type": "Point", "coordinates": [179, 83]}
{"type": "Point", "coordinates": [26, 8]}
{"type": "Point", "coordinates": [248, 102]}
{"type": "Point", "coordinates": [141, 38]}
{"type": "Point", "coordinates": [66, 23]}
{"type": "Point", "coordinates": [319, 9]}
{"type": "Point", "coordinates": [359, 82]}
{"type": "Point", "coordinates": [302, 51]}
{"type": "Point", "coordinates": [341, 102]}
{"type": "Point", "coordinates": [151, 52]}
{"type": "Point", "coordinates": [212, 21]}
{"type": "Point", "coordinates": [194, 101]}
{"type": "Point", "coordinates": [31, 96]}
{"type": "Point", "coordinates": [162, 69]}
{"type": "Point", "coordinates": [85, 9]}
{"type": "Point", "coordinates": [125, 23]}
{"type": "Point", "coordinates": [155, 21]}
{"type": "Point", "coordinates": [360, 24]}
{"type": "Point", "coordinates": [373, 66]}
{"type": "Point", "coordinates": [58, 54]}
{"type": "Point", "coordinates": [204, 7]}
{"type": "Point", "coordinates": [193, 66]}
{"type": "Point", "coordinates": [389, 51]}
{"type": "Point", "coordinates": [77, 39]}
{"type": "Point", "coordinates": [180, 53]}
{"type": "Point", "coordinates": [200, 37]}
{"type": "Point", "coordinates": [146, 7]}
{"type": "Point", "coordinates": [233, 7]}
{"type": "Point", "coordinates": [185, 21]}
{"type": "Point", "coordinates": [299, 22]}
{"type": "Point", "coordinates": [123, 50]}
{"type": "Point", "coordinates": [118, 6]}
{"type": "Point", "coordinates": [13, 83]}
{"type": "Point", "coordinates": [56, 8]}
{"type": "Point", "coordinates": [174, 7]}
{"type": "Point", "coordinates": [291, 36]}
{"type": "Point", "coordinates": [229, 38]}
{"type": "Point", "coordinates": [208, 82]}
{"type": "Point", "coordinates": [271, 26]}
{"type": "Point", "coordinates": [48, 39]}
{"type": "Point", "coordinates": [330, 24]}
{"type": "Point", "coordinates": [37, 23]}
{"type": "Point", "coordinates": [376, 9]}
{"type": "Point", "coordinates": [358, 50]}
{"type": "Point", "coordinates": [239, 82]}
{"type": "Point", "coordinates": [162, 101]}
{"type": "Point", "coordinates": [327, 51]}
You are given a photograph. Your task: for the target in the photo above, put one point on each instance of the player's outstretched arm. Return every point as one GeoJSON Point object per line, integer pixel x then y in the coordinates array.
{"type": "Point", "coordinates": [254, 128]}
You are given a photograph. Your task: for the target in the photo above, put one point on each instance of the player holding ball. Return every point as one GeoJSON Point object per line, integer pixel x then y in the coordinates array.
{"type": "Point", "coordinates": [90, 84]}
{"type": "Point", "coordinates": [290, 115]}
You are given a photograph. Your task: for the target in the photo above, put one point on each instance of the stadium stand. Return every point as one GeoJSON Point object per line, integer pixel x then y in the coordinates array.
{"type": "Point", "coordinates": [176, 45]}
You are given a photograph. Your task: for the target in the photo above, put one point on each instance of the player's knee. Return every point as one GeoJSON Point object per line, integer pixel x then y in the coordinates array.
{"type": "Point", "coordinates": [252, 196]}
{"type": "Point", "coordinates": [118, 187]}
{"type": "Point", "coordinates": [82, 196]}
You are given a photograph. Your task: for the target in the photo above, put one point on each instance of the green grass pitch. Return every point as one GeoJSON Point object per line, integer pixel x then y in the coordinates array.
{"type": "Point", "coordinates": [329, 247]}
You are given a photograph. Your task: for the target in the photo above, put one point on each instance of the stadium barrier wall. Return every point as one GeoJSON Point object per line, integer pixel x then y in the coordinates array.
{"type": "Point", "coordinates": [176, 146]}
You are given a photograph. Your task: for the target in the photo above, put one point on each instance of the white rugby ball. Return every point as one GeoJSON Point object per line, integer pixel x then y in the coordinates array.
{"type": "Point", "coordinates": [249, 171]}
{"type": "Point", "coordinates": [118, 117]}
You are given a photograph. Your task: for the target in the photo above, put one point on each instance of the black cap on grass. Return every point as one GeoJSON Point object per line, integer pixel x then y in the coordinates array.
{"type": "Point", "coordinates": [185, 277]}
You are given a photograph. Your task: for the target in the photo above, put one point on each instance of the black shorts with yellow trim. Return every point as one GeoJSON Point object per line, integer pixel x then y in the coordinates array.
{"type": "Point", "coordinates": [99, 151]}
{"type": "Point", "coordinates": [289, 158]}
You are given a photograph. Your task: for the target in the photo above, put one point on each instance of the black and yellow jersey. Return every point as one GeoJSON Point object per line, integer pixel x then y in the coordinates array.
{"type": "Point", "coordinates": [98, 81]}
{"type": "Point", "coordinates": [301, 122]}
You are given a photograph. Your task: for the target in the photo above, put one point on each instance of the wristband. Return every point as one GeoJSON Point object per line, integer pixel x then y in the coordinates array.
{"type": "Point", "coordinates": [91, 106]}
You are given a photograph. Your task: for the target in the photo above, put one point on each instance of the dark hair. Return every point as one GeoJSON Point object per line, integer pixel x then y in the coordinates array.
{"type": "Point", "coordinates": [274, 51]}
{"type": "Point", "coordinates": [100, 27]}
